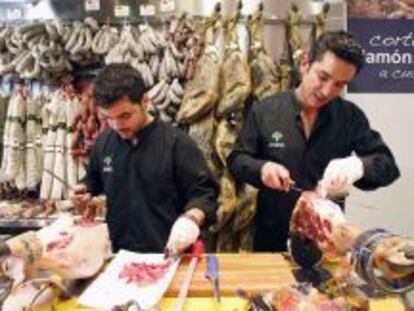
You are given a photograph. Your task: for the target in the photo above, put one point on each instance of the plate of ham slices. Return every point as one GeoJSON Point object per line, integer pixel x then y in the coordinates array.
{"type": "Point", "coordinates": [143, 278]}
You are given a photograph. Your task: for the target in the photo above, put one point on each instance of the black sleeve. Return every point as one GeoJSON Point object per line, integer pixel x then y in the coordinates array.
{"type": "Point", "coordinates": [194, 179]}
{"type": "Point", "coordinates": [92, 179]}
{"type": "Point", "coordinates": [244, 162]}
{"type": "Point", "coordinates": [380, 168]}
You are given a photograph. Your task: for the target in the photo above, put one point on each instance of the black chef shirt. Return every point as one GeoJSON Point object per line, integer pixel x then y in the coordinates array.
{"type": "Point", "coordinates": [149, 181]}
{"type": "Point", "coordinates": [273, 131]}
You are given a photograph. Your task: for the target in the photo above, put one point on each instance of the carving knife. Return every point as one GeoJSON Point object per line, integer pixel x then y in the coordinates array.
{"type": "Point", "coordinates": [338, 200]}
{"type": "Point", "coordinates": [212, 273]}
{"type": "Point", "coordinates": [197, 251]}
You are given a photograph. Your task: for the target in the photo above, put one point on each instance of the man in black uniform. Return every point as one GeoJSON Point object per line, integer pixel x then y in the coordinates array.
{"type": "Point", "coordinates": [159, 190]}
{"type": "Point", "coordinates": [310, 137]}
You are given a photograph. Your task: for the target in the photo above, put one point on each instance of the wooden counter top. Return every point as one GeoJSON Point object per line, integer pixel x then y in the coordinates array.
{"type": "Point", "coordinates": [255, 273]}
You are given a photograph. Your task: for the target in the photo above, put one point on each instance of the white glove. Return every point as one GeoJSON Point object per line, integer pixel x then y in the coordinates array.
{"type": "Point", "coordinates": [183, 233]}
{"type": "Point", "coordinates": [339, 176]}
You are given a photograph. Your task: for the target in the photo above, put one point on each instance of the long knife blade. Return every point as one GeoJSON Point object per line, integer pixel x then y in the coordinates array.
{"type": "Point", "coordinates": [339, 200]}
{"type": "Point", "coordinates": [88, 214]}
{"type": "Point", "coordinates": [197, 251]}
{"type": "Point", "coordinates": [300, 190]}
{"type": "Point", "coordinates": [58, 178]}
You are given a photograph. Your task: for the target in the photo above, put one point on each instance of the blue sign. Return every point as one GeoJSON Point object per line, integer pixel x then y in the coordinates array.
{"type": "Point", "coordinates": [389, 52]}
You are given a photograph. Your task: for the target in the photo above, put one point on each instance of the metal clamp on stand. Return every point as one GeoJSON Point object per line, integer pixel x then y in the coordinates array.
{"type": "Point", "coordinates": [364, 260]}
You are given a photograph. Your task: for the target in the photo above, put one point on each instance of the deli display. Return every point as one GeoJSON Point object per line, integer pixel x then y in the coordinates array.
{"type": "Point", "coordinates": [202, 74]}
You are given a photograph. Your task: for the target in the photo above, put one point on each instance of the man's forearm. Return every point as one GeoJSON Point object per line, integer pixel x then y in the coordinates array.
{"type": "Point", "coordinates": [379, 171]}
{"type": "Point", "coordinates": [246, 169]}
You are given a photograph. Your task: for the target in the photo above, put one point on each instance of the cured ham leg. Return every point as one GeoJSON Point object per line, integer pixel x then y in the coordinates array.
{"type": "Point", "coordinates": [297, 297]}
{"type": "Point", "coordinates": [381, 258]}
{"type": "Point", "coordinates": [317, 219]}
{"type": "Point", "coordinates": [72, 250]}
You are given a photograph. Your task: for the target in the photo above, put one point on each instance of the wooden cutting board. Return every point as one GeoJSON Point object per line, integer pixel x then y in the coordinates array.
{"type": "Point", "coordinates": [254, 273]}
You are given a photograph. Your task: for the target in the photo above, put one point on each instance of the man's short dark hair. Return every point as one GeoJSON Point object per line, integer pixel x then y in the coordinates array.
{"type": "Point", "coordinates": [116, 81]}
{"type": "Point", "coordinates": [342, 44]}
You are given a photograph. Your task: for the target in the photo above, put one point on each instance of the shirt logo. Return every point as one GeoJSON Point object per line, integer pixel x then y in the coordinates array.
{"type": "Point", "coordinates": [277, 140]}
{"type": "Point", "coordinates": [107, 165]}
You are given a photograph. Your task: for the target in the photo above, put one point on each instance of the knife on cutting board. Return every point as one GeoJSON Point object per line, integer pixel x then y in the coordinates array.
{"type": "Point", "coordinates": [212, 273]}
{"type": "Point", "coordinates": [196, 253]}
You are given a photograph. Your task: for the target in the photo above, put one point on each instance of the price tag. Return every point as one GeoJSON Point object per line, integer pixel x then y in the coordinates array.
{"type": "Point", "coordinates": [121, 10]}
{"type": "Point", "coordinates": [92, 5]}
{"type": "Point", "coordinates": [147, 10]}
{"type": "Point", "coordinates": [167, 5]}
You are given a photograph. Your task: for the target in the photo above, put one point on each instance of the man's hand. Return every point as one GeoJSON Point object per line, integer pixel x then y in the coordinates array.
{"type": "Point", "coordinates": [339, 176]}
{"type": "Point", "coordinates": [276, 176]}
{"type": "Point", "coordinates": [79, 194]}
{"type": "Point", "coordinates": [183, 233]}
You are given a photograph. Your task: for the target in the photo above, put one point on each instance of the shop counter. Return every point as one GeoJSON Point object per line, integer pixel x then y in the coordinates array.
{"type": "Point", "coordinates": [254, 272]}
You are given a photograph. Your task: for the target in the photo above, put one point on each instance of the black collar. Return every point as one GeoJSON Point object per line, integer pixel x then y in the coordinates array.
{"type": "Point", "coordinates": [324, 113]}
{"type": "Point", "coordinates": [142, 134]}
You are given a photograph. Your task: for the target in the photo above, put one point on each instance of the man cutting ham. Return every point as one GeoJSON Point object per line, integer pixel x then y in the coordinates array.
{"type": "Point", "coordinates": [159, 190]}
{"type": "Point", "coordinates": [310, 137]}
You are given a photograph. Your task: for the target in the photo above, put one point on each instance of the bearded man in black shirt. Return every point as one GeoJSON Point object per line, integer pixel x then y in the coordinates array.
{"type": "Point", "coordinates": [159, 190]}
{"type": "Point", "coordinates": [312, 138]}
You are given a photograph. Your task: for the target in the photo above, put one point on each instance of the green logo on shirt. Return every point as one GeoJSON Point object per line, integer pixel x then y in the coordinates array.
{"type": "Point", "coordinates": [107, 165]}
{"type": "Point", "coordinates": [277, 140]}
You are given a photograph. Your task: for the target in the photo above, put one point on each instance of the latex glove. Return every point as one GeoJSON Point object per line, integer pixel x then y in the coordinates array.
{"type": "Point", "coordinates": [183, 233]}
{"type": "Point", "coordinates": [276, 176]}
{"type": "Point", "coordinates": [339, 176]}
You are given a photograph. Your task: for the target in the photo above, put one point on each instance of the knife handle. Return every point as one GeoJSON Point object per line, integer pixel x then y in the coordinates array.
{"type": "Point", "coordinates": [198, 249]}
{"type": "Point", "coordinates": [212, 267]}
